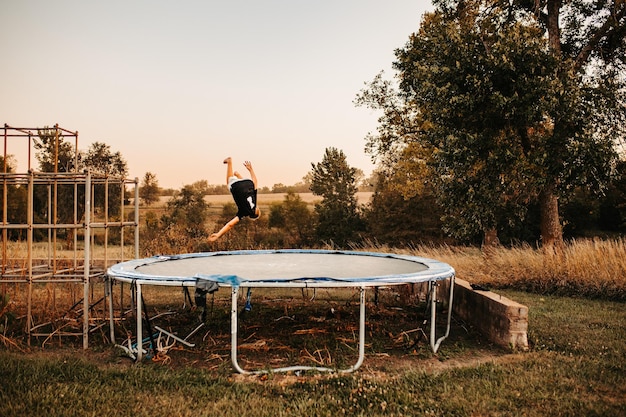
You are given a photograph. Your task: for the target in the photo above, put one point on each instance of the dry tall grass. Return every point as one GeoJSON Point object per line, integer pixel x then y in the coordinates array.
{"type": "Point", "coordinates": [592, 268]}
{"type": "Point", "coordinates": [589, 268]}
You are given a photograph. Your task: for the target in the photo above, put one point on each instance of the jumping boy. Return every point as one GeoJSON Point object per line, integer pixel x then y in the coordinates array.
{"type": "Point", "coordinates": [243, 191]}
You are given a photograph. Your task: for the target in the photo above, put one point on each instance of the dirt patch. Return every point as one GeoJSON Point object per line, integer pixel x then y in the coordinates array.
{"type": "Point", "coordinates": [285, 331]}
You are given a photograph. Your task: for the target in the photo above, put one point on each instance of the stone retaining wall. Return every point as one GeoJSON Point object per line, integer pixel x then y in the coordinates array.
{"type": "Point", "coordinates": [501, 320]}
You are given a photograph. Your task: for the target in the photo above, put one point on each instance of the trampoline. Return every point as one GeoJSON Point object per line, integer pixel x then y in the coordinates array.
{"type": "Point", "coordinates": [287, 268]}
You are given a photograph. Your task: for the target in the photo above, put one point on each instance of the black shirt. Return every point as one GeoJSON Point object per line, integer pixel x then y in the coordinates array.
{"type": "Point", "coordinates": [244, 194]}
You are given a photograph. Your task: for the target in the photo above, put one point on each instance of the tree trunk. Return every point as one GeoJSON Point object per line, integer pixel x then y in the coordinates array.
{"type": "Point", "coordinates": [551, 230]}
{"type": "Point", "coordinates": [554, 32]}
{"type": "Point", "coordinates": [490, 241]}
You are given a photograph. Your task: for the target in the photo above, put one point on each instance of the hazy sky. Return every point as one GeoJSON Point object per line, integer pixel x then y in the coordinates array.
{"type": "Point", "coordinates": [176, 86]}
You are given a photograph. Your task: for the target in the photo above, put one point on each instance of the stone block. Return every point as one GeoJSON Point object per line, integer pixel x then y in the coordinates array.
{"type": "Point", "coordinates": [502, 320]}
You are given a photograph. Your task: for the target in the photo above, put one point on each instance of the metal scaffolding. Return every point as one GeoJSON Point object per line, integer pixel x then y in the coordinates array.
{"type": "Point", "coordinates": [39, 209]}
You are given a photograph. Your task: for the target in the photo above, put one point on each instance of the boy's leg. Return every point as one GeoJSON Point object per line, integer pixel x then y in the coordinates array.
{"type": "Point", "coordinates": [229, 168]}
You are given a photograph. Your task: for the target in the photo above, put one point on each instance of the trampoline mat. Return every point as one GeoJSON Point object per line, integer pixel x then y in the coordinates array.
{"type": "Point", "coordinates": [284, 266]}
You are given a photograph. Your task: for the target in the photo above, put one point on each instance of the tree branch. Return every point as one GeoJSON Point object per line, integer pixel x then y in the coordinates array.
{"type": "Point", "coordinates": [612, 22]}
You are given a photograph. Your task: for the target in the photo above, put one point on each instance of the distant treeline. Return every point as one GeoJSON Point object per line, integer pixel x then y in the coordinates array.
{"type": "Point", "coordinates": [279, 188]}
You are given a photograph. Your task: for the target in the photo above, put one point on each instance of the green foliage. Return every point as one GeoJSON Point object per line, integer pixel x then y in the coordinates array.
{"type": "Point", "coordinates": [398, 126]}
{"type": "Point", "coordinates": [182, 228]}
{"type": "Point", "coordinates": [504, 117]}
{"type": "Point", "coordinates": [16, 202]}
{"type": "Point", "coordinates": [187, 211]}
{"type": "Point", "coordinates": [248, 234]}
{"type": "Point", "coordinates": [8, 164]}
{"type": "Point", "coordinates": [53, 152]}
{"type": "Point", "coordinates": [588, 214]}
{"type": "Point", "coordinates": [338, 214]}
{"type": "Point", "coordinates": [403, 210]}
{"type": "Point", "coordinates": [99, 159]}
{"type": "Point", "coordinates": [479, 92]}
{"type": "Point", "coordinates": [613, 203]}
{"type": "Point", "coordinates": [152, 227]}
{"type": "Point", "coordinates": [300, 187]}
{"type": "Point", "coordinates": [220, 189]}
{"type": "Point", "coordinates": [293, 217]}
{"type": "Point", "coordinates": [149, 189]}
{"type": "Point", "coordinates": [6, 315]}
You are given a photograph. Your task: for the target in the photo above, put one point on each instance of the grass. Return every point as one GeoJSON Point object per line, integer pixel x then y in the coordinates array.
{"type": "Point", "coordinates": [577, 366]}
{"type": "Point", "coordinates": [593, 268]}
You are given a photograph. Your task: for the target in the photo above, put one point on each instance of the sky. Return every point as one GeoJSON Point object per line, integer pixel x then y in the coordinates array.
{"type": "Point", "coordinates": [176, 87]}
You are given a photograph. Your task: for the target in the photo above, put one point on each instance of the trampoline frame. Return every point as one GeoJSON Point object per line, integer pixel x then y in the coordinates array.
{"type": "Point", "coordinates": [436, 271]}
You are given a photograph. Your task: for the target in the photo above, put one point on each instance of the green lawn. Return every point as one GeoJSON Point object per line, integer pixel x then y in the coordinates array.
{"type": "Point", "coordinates": [576, 367]}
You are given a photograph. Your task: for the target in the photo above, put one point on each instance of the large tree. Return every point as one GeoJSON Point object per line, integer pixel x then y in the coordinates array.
{"type": "Point", "coordinates": [587, 39]}
{"type": "Point", "coordinates": [584, 109]}
{"type": "Point", "coordinates": [56, 154]}
{"type": "Point", "coordinates": [149, 189]}
{"type": "Point", "coordinates": [53, 152]}
{"type": "Point", "coordinates": [506, 121]}
{"type": "Point", "coordinates": [338, 214]}
{"type": "Point", "coordinates": [480, 90]}
{"type": "Point", "coordinates": [188, 211]}
{"type": "Point", "coordinates": [99, 159]}
{"type": "Point", "coordinates": [293, 217]}
{"type": "Point", "coordinates": [16, 200]}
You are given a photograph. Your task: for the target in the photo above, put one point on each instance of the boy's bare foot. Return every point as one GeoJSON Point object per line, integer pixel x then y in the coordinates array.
{"type": "Point", "coordinates": [227, 160]}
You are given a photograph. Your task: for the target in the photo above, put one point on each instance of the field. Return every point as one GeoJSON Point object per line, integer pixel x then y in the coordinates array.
{"type": "Point", "coordinates": [362, 197]}
{"type": "Point", "coordinates": [576, 364]}
{"type": "Point", "coordinates": [265, 199]}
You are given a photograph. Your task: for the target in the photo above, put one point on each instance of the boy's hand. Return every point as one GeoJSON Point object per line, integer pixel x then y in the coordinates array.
{"type": "Point", "coordinates": [248, 165]}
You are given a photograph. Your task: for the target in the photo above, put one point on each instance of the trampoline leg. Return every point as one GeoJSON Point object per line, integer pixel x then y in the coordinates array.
{"type": "Point", "coordinates": [233, 343]}
{"type": "Point", "coordinates": [139, 329]}
{"type": "Point", "coordinates": [233, 332]}
{"type": "Point", "coordinates": [433, 313]}
{"type": "Point", "coordinates": [359, 362]}
{"type": "Point", "coordinates": [109, 290]}
{"type": "Point", "coordinates": [434, 344]}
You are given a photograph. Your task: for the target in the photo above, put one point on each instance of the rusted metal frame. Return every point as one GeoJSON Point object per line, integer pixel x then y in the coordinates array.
{"type": "Point", "coordinates": [55, 196]}
{"type": "Point", "coordinates": [63, 276]}
{"type": "Point", "coordinates": [136, 218]}
{"type": "Point", "coordinates": [28, 130]}
{"type": "Point", "coordinates": [106, 220]}
{"type": "Point", "coordinates": [87, 260]}
{"type": "Point", "coordinates": [29, 238]}
{"type": "Point", "coordinates": [122, 220]}
{"type": "Point", "coordinates": [20, 271]}
{"type": "Point", "coordinates": [53, 180]}
{"type": "Point", "coordinates": [76, 221]}
{"type": "Point", "coordinates": [5, 195]}
{"type": "Point", "coordinates": [135, 226]}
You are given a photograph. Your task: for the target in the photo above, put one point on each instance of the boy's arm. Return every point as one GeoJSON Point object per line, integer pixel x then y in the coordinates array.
{"type": "Point", "coordinates": [248, 166]}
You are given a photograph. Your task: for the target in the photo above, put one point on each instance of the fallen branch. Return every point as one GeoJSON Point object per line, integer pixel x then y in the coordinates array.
{"type": "Point", "coordinates": [310, 331]}
{"type": "Point", "coordinates": [7, 341]}
{"type": "Point", "coordinates": [258, 345]}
